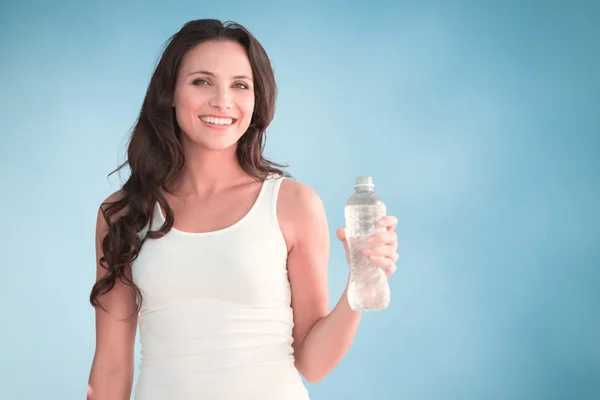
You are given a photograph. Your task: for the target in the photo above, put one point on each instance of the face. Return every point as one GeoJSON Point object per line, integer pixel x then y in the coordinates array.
{"type": "Point", "coordinates": [214, 95]}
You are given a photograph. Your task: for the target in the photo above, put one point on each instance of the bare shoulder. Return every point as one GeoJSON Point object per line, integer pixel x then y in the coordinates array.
{"type": "Point", "coordinates": [112, 198]}
{"type": "Point", "coordinates": [296, 194]}
{"type": "Point", "coordinates": [298, 208]}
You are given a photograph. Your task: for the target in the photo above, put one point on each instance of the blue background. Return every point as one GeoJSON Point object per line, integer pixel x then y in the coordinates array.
{"type": "Point", "coordinates": [479, 121]}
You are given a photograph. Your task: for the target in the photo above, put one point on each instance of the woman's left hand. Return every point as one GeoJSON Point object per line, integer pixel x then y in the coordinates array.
{"type": "Point", "coordinates": [382, 247]}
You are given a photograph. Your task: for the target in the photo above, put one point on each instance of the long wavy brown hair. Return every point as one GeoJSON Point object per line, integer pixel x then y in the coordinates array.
{"type": "Point", "coordinates": [155, 155]}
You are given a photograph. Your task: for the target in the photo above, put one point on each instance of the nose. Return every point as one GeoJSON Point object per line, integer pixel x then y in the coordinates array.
{"type": "Point", "coordinates": [221, 99]}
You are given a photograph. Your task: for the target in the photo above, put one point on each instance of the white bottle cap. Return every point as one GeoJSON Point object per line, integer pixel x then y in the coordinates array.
{"type": "Point", "coordinates": [364, 182]}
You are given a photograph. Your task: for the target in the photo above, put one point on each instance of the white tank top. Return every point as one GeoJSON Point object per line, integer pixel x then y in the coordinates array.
{"type": "Point", "coordinates": [216, 321]}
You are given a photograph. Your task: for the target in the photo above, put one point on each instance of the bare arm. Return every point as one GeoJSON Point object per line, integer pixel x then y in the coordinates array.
{"type": "Point", "coordinates": [111, 375]}
{"type": "Point", "coordinates": [321, 337]}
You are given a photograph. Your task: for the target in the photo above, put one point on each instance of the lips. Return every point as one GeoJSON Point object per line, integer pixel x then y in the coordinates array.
{"type": "Point", "coordinates": [217, 117]}
{"type": "Point", "coordinates": [218, 126]}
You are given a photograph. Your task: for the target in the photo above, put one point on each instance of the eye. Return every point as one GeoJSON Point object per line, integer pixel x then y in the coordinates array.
{"type": "Point", "coordinates": [199, 82]}
{"type": "Point", "coordinates": [243, 85]}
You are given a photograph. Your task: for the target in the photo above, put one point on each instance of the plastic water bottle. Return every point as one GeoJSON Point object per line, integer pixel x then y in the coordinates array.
{"type": "Point", "coordinates": [368, 288]}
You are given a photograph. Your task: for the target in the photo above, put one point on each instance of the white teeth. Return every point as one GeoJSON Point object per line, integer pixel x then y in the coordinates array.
{"type": "Point", "coordinates": [217, 121]}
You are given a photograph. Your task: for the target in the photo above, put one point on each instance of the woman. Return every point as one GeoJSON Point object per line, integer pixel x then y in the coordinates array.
{"type": "Point", "coordinates": [220, 258]}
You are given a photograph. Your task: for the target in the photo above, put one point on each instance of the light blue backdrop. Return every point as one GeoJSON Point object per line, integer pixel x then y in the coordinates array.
{"type": "Point", "coordinates": [478, 121]}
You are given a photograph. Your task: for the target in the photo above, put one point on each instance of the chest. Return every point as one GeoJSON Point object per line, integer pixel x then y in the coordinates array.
{"type": "Point", "coordinates": [214, 213]}
{"type": "Point", "coordinates": [243, 265]}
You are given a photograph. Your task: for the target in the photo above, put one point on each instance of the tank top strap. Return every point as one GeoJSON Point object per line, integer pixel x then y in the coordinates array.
{"type": "Point", "coordinates": [267, 206]}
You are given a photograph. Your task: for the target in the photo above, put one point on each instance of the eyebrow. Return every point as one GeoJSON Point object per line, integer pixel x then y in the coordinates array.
{"type": "Point", "coordinates": [204, 72]}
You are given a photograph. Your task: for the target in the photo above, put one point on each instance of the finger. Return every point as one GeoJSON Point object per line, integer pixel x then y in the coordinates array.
{"type": "Point", "coordinates": [392, 223]}
{"type": "Point", "coordinates": [341, 234]}
{"type": "Point", "coordinates": [381, 261]}
{"type": "Point", "coordinates": [390, 269]}
{"type": "Point", "coordinates": [386, 264]}
{"type": "Point", "coordinates": [382, 251]}
{"type": "Point", "coordinates": [389, 221]}
{"type": "Point", "coordinates": [383, 238]}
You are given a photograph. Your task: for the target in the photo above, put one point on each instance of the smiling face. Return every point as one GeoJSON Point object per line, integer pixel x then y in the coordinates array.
{"type": "Point", "coordinates": [214, 95]}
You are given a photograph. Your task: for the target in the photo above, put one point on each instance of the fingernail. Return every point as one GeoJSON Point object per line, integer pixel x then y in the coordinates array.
{"type": "Point", "coordinates": [366, 252]}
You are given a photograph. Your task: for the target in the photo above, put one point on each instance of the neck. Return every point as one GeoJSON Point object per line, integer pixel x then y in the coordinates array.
{"type": "Point", "coordinates": [207, 172]}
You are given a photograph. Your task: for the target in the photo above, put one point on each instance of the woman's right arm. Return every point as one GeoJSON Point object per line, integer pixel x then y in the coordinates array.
{"type": "Point", "coordinates": [111, 375]}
